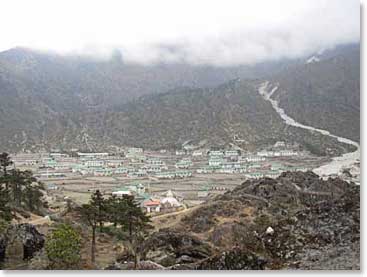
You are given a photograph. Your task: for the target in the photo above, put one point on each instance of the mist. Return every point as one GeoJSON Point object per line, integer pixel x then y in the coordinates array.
{"type": "Point", "coordinates": [219, 33]}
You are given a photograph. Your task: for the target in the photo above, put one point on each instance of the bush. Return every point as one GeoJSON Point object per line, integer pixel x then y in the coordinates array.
{"type": "Point", "coordinates": [63, 248]}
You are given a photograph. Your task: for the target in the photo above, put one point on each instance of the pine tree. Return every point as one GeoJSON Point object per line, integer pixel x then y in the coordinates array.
{"type": "Point", "coordinates": [136, 221]}
{"type": "Point", "coordinates": [32, 195]}
{"type": "Point", "coordinates": [18, 187]}
{"type": "Point", "coordinates": [5, 210]}
{"type": "Point", "coordinates": [19, 181]}
{"type": "Point", "coordinates": [89, 215]}
{"type": "Point", "coordinates": [137, 224]}
{"type": "Point", "coordinates": [5, 161]}
{"type": "Point", "coordinates": [101, 205]}
{"type": "Point", "coordinates": [116, 210]}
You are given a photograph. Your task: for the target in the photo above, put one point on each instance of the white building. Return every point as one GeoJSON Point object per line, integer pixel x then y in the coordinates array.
{"type": "Point", "coordinates": [135, 150]}
{"type": "Point", "coordinates": [217, 153]}
{"type": "Point", "coordinates": [165, 175]}
{"type": "Point", "coordinates": [184, 163]}
{"type": "Point", "coordinates": [183, 173]}
{"type": "Point", "coordinates": [288, 153]}
{"type": "Point", "coordinates": [94, 163]}
{"type": "Point", "coordinates": [138, 173]}
{"type": "Point", "coordinates": [151, 206]}
{"type": "Point", "coordinates": [114, 163]}
{"type": "Point", "coordinates": [180, 152]}
{"type": "Point", "coordinates": [122, 170]}
{"type": "Point", "coordinates": [152, 168]}
{"type": "Point", "coordinates": [155, 161]}
{"type": "Point", "coordinates": [228, 165]}
{"type": "Point", "coordinates": [279, 144]}
{"type": "Point", "coordinates": [197, 153]}
{"type": "Point", "coordinates": [265, 153]}
{"type": "Point", "coordinates": [59, 155]}
{"type": "Point", "coordinates": [121, 193]}
{"type": "Point", "coordinates": [231, 153]}
{"type": "Point", "coordinates": [215, 161]}
{"type": "Point", "coordinates": [92, 155]}
{"type": "Point", "coordinates": [255, 158]}
{"type": "Point", "coordinates": [254, 175]}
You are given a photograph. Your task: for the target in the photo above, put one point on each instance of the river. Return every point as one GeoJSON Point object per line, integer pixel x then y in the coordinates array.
{"type": "Point", "coordinates": [337, 164]}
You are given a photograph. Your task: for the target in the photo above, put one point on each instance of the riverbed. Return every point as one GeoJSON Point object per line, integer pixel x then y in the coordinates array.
{"type": "Point", "coordinates": [337, 164]}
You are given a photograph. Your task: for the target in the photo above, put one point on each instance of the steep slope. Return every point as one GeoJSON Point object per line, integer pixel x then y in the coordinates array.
{"type": "Point", "coordinates": [216, 115]}
{"type": "Point", "coordinates": [324, 94]}
{"type": "Point", "coordinates": [27, 121]}
{"type": "Point", "coordinates": [51, 100]}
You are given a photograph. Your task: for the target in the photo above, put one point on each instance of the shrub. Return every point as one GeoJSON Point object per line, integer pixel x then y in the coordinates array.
{"type": "Point", "coordinates": [63, 248]}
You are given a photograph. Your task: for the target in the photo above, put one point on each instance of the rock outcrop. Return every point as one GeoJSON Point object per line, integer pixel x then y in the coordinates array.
{"type": "Point", "coordinates": [295, 221]}
{"type": "Point", "coordinates": [169, 248]}
{"type": "Point", "coordinates": [24, 237]}
{"type": "Point", "coordinates": [235, 259]}
{"type": "Point", "coordinates": [142, 265]}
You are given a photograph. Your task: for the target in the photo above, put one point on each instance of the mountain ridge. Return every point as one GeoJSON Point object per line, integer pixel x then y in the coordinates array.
{"type": "Point", "coordinates": [52, 101]}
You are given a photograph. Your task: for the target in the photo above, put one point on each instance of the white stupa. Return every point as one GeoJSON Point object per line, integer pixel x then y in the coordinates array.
{"type": "Point", "coordinates": [170, 200]}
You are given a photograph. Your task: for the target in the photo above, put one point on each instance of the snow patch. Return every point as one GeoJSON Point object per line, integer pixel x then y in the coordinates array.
{"type": "Point", "coordinates": [313, 59]}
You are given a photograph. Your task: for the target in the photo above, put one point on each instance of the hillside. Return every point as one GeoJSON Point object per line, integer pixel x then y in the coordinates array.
{"type": "Point", "coordinates": [325, 93]}
{"type": "Point", "coordinates": [51, 101]}
{"type": "Point", "coordinates": [296, 221]}
{"type": "Point", "coordinates": [214, 115]}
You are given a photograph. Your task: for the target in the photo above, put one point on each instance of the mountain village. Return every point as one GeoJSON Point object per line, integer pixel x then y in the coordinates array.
{"type": "Point", "coordinates": [161, 181]}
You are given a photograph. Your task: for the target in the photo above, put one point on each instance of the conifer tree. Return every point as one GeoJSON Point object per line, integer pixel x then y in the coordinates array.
{"type": "Point", "coordinates": [5, 210]}
{"type": "Point", "coordinates": [136, 221]}
{"type": "Point", "coordinates": [5, 162]}
{"type": "Point", "coordinates": [100, 203]}
{"type": "Point", "coordinates": [89, 215]}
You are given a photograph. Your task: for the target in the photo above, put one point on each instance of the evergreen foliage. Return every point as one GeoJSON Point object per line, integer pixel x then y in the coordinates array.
{"type": "Point", "coordinates": [63, 247]}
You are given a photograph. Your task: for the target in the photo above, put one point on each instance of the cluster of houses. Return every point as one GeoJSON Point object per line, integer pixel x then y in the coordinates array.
{"type": "Point", "coordinates": [165, 203]}
{"type": "Point", "coordinates": [281, 153]}
{"type": "Point", "coordinates": [184, 163]}
{"type": "Point", "coordinates": [251, 166]}
{"type": "Point", "coordinates": [174, 174]}
{"type": "Point", "coordinates": [136, 163]}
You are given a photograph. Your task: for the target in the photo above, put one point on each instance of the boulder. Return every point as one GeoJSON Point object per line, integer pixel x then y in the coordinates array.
{"type": "Point", "coordinates": [25, 238]}
{"type": "Point", "coordinates": [169, 247]}
{"type": "Point", "coordinates": [235, 259]}
{"type": "Point", "coordinates": [142, 265]}
{"type": "Point", "coordinates": [269, 231]}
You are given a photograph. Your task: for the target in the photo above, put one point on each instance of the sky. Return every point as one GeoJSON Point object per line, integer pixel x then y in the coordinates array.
{"type": "Point", "coordinates": [216, 32]}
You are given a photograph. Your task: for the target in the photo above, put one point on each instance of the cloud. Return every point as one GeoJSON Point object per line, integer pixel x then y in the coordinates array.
{"type": "Point", "coordinates": [216, 32]}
